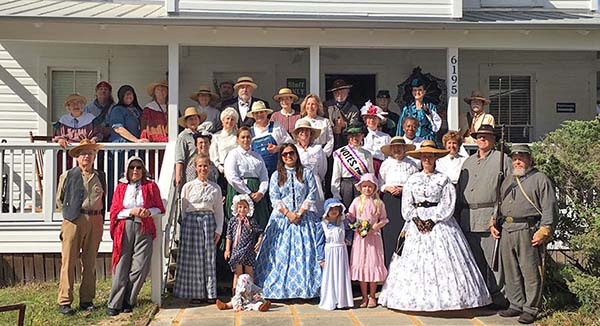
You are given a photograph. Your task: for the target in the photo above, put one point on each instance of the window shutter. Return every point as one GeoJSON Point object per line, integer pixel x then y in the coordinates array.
{"type": "Point", "coordinates": [511, 105]}
{"type": "Point", "coordinates": [65, 82]}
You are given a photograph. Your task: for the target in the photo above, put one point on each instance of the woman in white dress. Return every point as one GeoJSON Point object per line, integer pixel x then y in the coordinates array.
{"type": "Point", "coordinates": [311, 109]}
{"type": "Point", "coordinates": [436, 270]}
{"type": "Point", "coordinates": [311, 155]}
{"type": "Point", "coordinates": [451, 164]}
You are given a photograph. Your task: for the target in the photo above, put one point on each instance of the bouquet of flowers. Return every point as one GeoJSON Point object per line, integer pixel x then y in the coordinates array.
{"type": "Point", "coordinates": [361, 227]}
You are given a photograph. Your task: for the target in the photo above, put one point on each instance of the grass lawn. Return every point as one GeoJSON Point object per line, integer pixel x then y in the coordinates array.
{"type": "Point", "coordinates": [42, 308]}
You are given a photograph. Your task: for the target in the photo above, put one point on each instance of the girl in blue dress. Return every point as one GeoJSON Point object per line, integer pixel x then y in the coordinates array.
{"type": "Point", "coordinates": [287, 265]}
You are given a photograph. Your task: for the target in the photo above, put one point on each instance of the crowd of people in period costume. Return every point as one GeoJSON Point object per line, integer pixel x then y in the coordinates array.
{"type": "Point", "coordinates": [299, 200]}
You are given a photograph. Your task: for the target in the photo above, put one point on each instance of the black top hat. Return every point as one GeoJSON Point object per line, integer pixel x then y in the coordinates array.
{"type": "Point", "coordinates": [383, 93]}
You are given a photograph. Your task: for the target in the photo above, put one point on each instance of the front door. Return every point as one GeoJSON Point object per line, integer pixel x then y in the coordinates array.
{"type": "Point", "coordinates": [363, 87]}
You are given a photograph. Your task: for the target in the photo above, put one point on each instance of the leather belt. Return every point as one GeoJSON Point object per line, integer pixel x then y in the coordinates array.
{"type": "Point", "coordinates": [527, 219]}
{"type": "Point", "coordinates": [90, 212]}
{"type": "Point", "coordinates": [482, 205]}
{"type": "Point", "coordinates": [425, 204]}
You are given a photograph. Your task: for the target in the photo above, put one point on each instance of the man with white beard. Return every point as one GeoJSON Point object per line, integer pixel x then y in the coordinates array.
{"type": "Point", "coordinates": [529, 213]}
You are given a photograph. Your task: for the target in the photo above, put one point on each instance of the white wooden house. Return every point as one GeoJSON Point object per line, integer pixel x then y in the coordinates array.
{"type": "Point", "coordinates": [540, 56]}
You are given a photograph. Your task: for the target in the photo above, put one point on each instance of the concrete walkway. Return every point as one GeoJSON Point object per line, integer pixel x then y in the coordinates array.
{"type": "Point", "coordinates": [308, 314]}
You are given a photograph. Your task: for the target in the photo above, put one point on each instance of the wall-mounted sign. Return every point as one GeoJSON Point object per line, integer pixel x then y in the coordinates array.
{"type": "Point", "coordinates": [298, 86]}
{"type": "Point", "coordinates": [565, 107]}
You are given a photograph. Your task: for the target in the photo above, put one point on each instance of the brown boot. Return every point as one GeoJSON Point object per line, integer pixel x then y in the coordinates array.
{"type": "Point", "coordinates": [265, 306]}
{"type": "Point", "coordinates": [221, 305]}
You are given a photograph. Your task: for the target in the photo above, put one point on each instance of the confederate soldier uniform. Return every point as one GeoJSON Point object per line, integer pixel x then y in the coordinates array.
{"type": "Point", "coordinates": [345, 111]}
{"type": "Point", "coordinates": [528, 211]}
{"type": "Point", "coordinates": [476, 196]}
{"type": "Point", "coordinates": [81, 196]}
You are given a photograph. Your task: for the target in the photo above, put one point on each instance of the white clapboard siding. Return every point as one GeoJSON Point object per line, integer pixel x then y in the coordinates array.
{"type": "Point", "coordinates": [551, 4]}
{"type": "Point", "coordinates": [421, 8]}
{"type": "Point", "coordinates": [39, 237]}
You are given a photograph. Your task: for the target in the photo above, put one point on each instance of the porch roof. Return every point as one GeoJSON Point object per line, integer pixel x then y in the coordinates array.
{"type": "Point", "coordinates": [155, 13]}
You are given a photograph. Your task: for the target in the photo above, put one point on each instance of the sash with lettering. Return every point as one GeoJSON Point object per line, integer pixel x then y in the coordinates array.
{"type": "Point", "coordinates": [352, 162]}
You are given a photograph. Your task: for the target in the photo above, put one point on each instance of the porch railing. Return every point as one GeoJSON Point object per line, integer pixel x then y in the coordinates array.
{"type": "Point", "coordinates": [25, 198]}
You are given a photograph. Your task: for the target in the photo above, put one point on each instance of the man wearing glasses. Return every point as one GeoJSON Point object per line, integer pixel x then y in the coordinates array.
{"type": "Point", "coordinates": [80, 196]}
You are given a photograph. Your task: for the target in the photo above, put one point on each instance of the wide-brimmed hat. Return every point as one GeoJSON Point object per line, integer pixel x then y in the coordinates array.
{"type": "Point", "coordinates": [190, 111]}
{"type": "Point", "coordinates": [339, 84]}
{"type": "Point", "coordinates": [285, 92]}
{"type": "Point", "coordinates": [372, 110]}
{"type": "Point", "coordinates": [477, 95]}
{"type": "Point", "coordinates": [367, 177]}
{"type": "Point", "coordinates": [383, 93]}
{"type": "Point", "coordinates": [75, 97]}
{"type": "Point", "coordinates": [245, 80]}
{"type": "Point", "coordinates": [355, 127]}
{"type": "Point", "coordinates": [257, 107]}
{"type": "Point", "coordinates": [428, 146]}
{"type": "Point", "coordinates": [150, 89]}
{"type": "Point", "coordinates": [520, 149]}
{"type": "Point", "coordinates": [333, 202]}
{"type": "Point", "coordinates": [485, 130]}
{"type": "Point", "coordinates": [206, 90]}
{"type": "Point", "coordinates": [305, 124]}
{"type": "Point", "coordinates": [84, 144]}
{"type": "Point", "coordinates": [395, 142]}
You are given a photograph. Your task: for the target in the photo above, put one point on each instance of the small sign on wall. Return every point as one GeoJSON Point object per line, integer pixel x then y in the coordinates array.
{"type": "Point", "coordinates": [298, 86]}
{"type": "Point", "coordinates": [562, 107]}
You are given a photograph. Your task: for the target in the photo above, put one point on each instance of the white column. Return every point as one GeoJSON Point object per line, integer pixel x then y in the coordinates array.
{"type": "Point", "coordinates": [453, 86]}
{"type": "Point", "coordinates": [49, 184]}
{"type": "Point", "coordinates": [173, 90]}
{"type": "Point", "coordinates": [315, 71]}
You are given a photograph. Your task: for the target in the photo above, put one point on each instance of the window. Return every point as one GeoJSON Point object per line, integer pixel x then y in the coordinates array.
{"type": "Point", "coordinates": [511, 106]}
{"type": "Point", "coordinates": [65, 82]}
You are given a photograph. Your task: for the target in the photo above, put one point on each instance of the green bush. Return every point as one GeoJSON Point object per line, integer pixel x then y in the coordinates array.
{"type": "Point", "coordinates": [570, 156]}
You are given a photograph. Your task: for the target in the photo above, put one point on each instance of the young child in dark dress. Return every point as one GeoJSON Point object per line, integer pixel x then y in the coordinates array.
{"type": "Point", "coordinates": [244, 236]}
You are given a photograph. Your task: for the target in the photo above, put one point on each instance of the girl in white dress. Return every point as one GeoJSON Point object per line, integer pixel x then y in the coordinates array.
{"type": "Point", "coordinates": [336, 289]}
{"type": "Point", "coordinates": [436, 270]}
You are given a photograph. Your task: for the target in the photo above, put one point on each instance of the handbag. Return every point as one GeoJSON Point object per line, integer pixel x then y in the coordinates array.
{"type": "Point", "coordinates": [400, 243]}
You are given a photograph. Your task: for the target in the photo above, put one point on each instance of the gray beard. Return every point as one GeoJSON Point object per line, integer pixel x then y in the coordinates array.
{"type": "Point", "coordinates": [519, 172]}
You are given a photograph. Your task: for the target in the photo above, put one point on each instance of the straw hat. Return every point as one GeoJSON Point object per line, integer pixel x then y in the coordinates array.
{"type": "Point", "coordinates": [339, 84]}
{"type": "Point", "coordinates": [75, 97]}
{"type": "Point", "coordinates": [84, 144]}
{"type": "Point", "coordinates": [395, 142]}
{"type": "Point", "coordinates": [428, 146]}
{"type": "Point", "coordinates": [485, 130]}
{"type": "Point", "coordinates": [367, 177]}
{"type": "Point", "coordinates": [257, 107]}
{"type": "Point", "coordinates": [477, 95]}
{"type": "Point", "coordinates": [305, 124]}
{"type": "Point", "coordinates": [150, 89]}
{"type": "Point", "coordinates": [190, 111]}
{"type": "Point", "coordinates": [204, 89]}
{"type": "Point", "coordinates": [245, 80]}
{"type": "Point", "coordinates": [285, 92]}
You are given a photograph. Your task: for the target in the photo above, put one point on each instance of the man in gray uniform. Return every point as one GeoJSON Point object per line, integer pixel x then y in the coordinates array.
{"type": "Point", "coordinates": [529, 212]}
{"type": "Point", "coordinates": [476, 199]}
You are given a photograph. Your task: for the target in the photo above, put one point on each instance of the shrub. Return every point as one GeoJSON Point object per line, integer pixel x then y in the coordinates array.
{"type": "Point", "coordinates": [570, 157]}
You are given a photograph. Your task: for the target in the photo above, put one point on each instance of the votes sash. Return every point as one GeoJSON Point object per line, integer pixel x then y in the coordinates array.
{"type": "Point", "coordinates": [352, 162]}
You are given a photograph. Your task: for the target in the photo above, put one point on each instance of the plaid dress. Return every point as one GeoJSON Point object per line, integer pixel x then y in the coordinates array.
{"type": "Point", "coordinates": [196, 267]}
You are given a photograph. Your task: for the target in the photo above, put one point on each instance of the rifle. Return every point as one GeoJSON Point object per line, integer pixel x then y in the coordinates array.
{"type": "Point", "coordinates": [497, 219]}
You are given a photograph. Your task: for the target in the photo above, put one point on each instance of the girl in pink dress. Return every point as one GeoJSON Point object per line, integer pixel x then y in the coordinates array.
{"type": "Point", "coordinates": [366, 262]}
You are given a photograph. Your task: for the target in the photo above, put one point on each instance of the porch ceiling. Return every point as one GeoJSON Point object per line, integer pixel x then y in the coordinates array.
{"type": "Point", "coordinates": [155, 13]}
